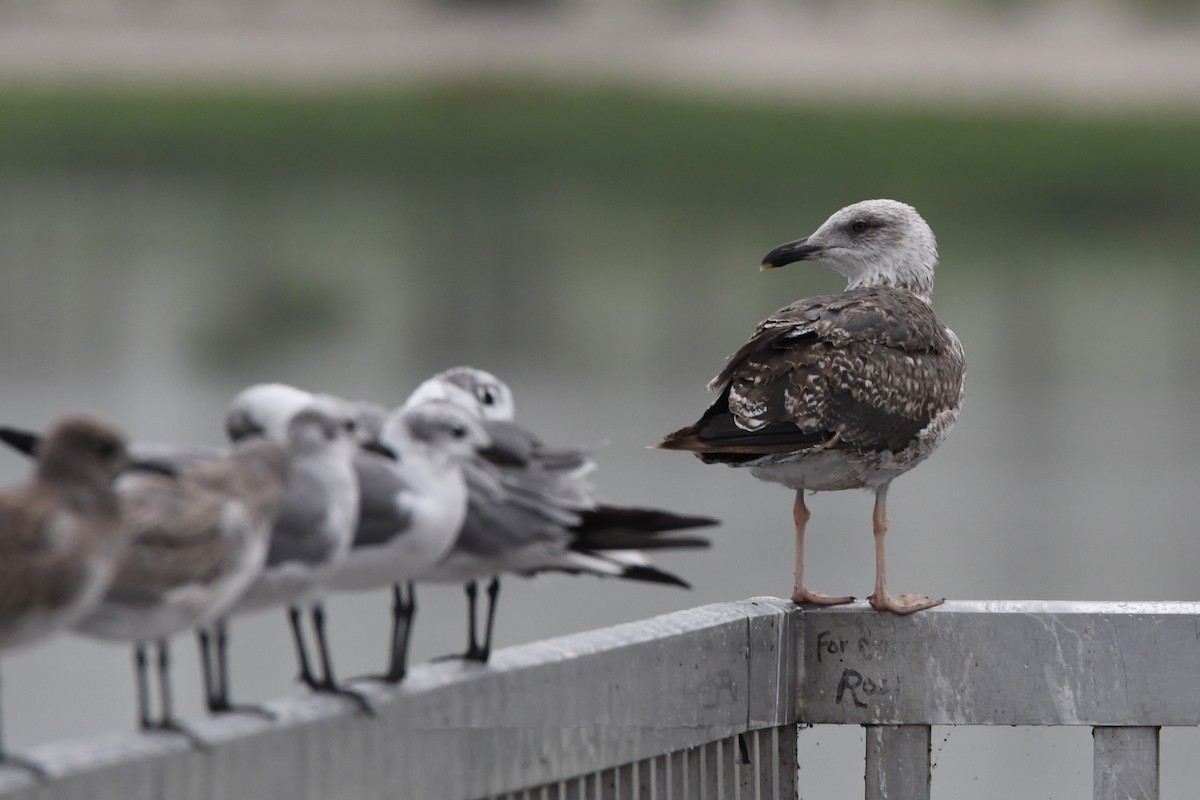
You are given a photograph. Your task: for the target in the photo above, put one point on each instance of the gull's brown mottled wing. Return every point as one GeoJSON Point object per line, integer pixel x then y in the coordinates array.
{"type": "Point", "coordinates": [871, 367]}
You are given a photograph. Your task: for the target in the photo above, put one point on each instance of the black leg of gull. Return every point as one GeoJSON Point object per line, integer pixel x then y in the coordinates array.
{"type": "Point", "coordinates": [306, 675]}
{"type": "Point", "coordinates": [167, 722]}
{"type": "Point", "coordinates": [399, 624]}
{"type": "Point", "coordinates": [217, 688]}
{"type": "Point", "coordinates": [402, 617]}
{"type": "Point", "coordinates": [493, 592]}
{"type": "Point", "coordinates": [402, 612]}
{"type": "Point", "coordinates": [399, 666]}
{"type": "Point", "coordinates": [207, 668]}
{"type": "Point", "coordinates": [472, 590]}
{"type": "Point", "coordinates": [329, 684]}
{"type": "Point", "coordinates": [143, 686]}
{"type": "Point", "coordinates": [17, 762]}
{"type": "Point", "coordinates": [473, 651]}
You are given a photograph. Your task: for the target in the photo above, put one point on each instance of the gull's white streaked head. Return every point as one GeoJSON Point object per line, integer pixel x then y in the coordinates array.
{"type": "Point", "coordinates": [367, 416]}
{"type": "Point", "coordinates": [439, 432]}
{"type": "Point", "coordinates": [473, 389]}
{"type": "Point", "coordinates": [315, 430]}
{"type": "Point", "coordinates": [871, 243]}
{"type": "Point", "coordinates": [267, 409]}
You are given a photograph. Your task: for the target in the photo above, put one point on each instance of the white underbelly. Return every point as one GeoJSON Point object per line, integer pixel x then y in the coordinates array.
{"type": "Point", "coordinates": [832, 470]}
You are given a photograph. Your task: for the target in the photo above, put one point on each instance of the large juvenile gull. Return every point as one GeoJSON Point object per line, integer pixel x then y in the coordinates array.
{"type": "Point", "coordinates": [60, 536]}
{"type": "Point", "coordinates": [530, 509]}
{"type": "Point", "coordinates": [843, 391]}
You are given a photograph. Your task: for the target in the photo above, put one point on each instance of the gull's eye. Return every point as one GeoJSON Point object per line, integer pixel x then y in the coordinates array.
{"type": "Point", "coordinates": [859, 226]}
{"type": "Point", "coordinates": [105, 449]}
{"type": "Point", "coordinates": [458, 431]}
{"type": "Point", "coordinates": [348, 426]}
{"type": "Point", "coordinates": [485, 395]}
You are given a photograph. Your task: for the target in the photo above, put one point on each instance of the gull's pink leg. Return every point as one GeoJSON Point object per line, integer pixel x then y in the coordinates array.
{"type": "Point", "coordinates": [799, 593]}
{"type": "Point", "coordinates": [881, 600]}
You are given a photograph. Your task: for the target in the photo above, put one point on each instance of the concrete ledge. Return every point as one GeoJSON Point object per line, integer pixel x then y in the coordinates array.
{"type": "Point", "coordinates": [538, 713]}
{"type": "Point", "coordinates": [1003, 663]}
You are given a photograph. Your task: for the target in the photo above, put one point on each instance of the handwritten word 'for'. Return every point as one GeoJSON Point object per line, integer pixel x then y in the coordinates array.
{"type": "Point", "coordinates": [829, 645]}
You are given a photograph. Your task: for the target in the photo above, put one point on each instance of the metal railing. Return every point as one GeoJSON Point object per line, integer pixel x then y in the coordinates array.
{"type": "Point", "coordinates": [702, 704]}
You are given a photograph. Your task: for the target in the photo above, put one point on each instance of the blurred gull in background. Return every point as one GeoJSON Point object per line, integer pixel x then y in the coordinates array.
{"type": "Point", "coordinates": [312, 533]}
{"type": "Point", "coordinates": [411, 491]}
{"type": "Point", "coordinates": [426, 497]}
{"type": "Point", "coordinates": [199, 538]}
{"type": "Point", "coordinates": [60, 536]}
{"type": "Point", "coordinates": [198, 519]}
{"type": "Point", "coordinates": [530, 509]}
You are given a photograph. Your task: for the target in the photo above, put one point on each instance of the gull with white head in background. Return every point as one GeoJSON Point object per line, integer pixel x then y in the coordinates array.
{"type": "Point", "coordinates": [314, 527]}
{"type": "Point", "coordinates": [418, 506]}
{"type": "Point", "coordinates": [412, 494]}
{"type": "Point", "coordinates": [842, 391]}
{"type": "Point", "coordinates": [60, 537]}
{"type": "Point", "coordinates": [531, 509]}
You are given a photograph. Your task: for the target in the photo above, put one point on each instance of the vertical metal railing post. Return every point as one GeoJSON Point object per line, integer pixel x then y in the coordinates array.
{"type": "Point", "coordinates": [1125, 763]}
{"type": "Point", "coordinates": [898, 762]}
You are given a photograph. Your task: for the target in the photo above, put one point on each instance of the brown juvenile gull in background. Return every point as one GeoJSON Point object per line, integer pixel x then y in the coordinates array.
{"type": "Point", "coordinates": [843, 391]}
{"type": "Point", "coordinates": [198, 540]}
{"type": "Point", "coordinates": [60, 536]}
{"type": "Point", "coordinates": [198, 526]}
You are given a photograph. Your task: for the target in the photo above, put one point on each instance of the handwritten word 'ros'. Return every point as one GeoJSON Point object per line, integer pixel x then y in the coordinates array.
{"type": "Point", "coordinates": [860, 687]}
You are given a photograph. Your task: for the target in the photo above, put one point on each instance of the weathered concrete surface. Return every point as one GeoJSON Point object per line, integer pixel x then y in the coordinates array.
{"type": "Point", "coordinates": [1003, 663]}
{"type": "Point", "coordinates": [538, 713]}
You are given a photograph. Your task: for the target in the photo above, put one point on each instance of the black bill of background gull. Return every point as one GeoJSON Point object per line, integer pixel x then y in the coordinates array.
{"type": "Point", "coordinates": [60, 537]}
{"type": "Point", "coordinates": [842, 391]}
{"type": "Point", "coordinates": [313, 530]}
{"type": "Point", "coordinates": [531, 509]}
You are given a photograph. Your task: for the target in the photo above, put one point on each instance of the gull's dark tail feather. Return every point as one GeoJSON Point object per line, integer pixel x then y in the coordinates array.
{"type": "Point", "coordinates": [653, 575]}
{"type": "Point", "coordinates": [627, 565]}
{"type": "Point", "coordinates": [25, 442]}
{"type": "Point", "coordinates": [625, 528]}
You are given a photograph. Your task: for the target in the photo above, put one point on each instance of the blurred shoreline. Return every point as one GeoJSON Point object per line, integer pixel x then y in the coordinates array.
{"type": "Point", "coordinates": [1063, 57]}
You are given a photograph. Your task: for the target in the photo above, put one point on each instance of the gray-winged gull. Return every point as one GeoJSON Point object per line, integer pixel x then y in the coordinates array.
{"type": "Point", "coordinates": [315, 525]}
{"type": "Point", "coordinates": [410, 511]}
{"type": "Point", "coordinates": [843, 391]}
{"type": "Point", "coordinates": [530, 509]}
{"type": "Point", "coordinates": [429, 442]}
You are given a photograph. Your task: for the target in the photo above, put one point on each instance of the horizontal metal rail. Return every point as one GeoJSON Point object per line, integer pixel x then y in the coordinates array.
{"type": "Point", "coordinates": [699, 704]}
